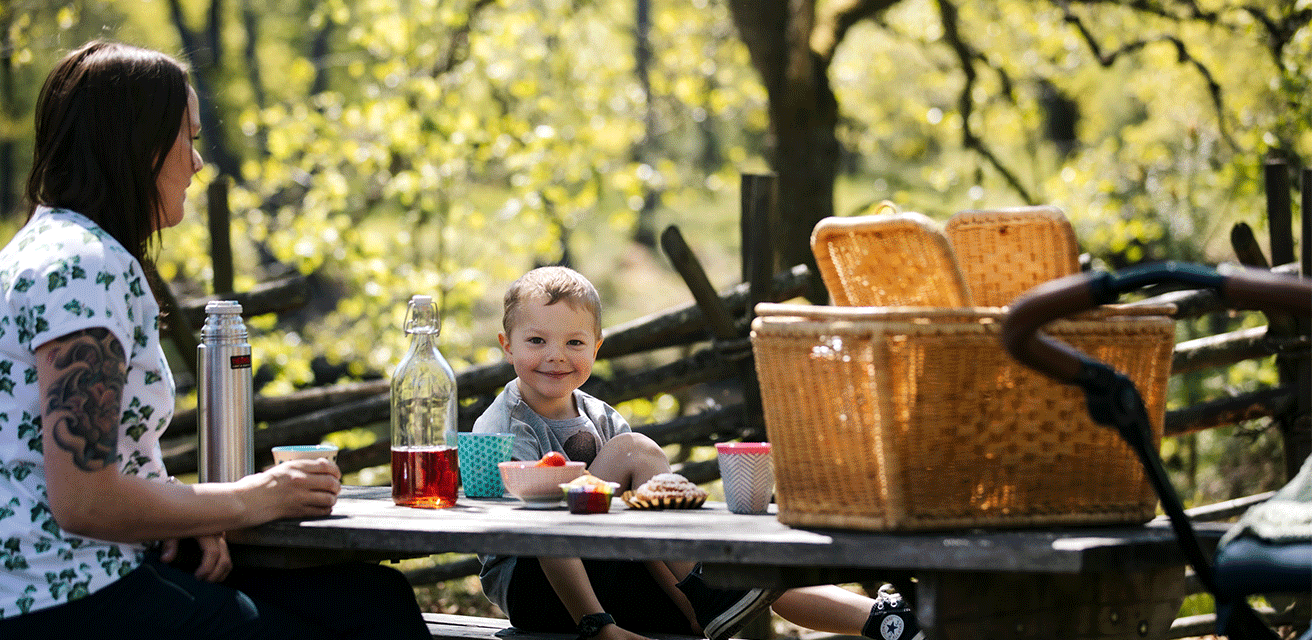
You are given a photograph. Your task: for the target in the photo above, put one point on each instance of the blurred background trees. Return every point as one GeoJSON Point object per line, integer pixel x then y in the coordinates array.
{"type": "Point", "coordinates": [386, 147]}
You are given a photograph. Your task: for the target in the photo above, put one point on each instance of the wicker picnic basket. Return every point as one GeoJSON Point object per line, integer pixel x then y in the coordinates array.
{"type": "Point", "coordinates": [912, 418]}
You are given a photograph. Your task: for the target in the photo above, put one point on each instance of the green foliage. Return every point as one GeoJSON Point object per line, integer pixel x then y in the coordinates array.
{"type": "Point", "coordinates": [1159, 171]}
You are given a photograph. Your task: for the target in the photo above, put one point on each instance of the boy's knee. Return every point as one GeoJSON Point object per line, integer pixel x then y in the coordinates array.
{"type": "Point", "coordinates": [633, 442]}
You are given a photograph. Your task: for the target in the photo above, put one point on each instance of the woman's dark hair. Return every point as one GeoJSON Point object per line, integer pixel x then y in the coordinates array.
{"type": "Point", "coordinates": [106, 119]}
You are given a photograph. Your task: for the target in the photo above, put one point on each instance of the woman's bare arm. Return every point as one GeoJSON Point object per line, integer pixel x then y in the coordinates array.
{"type": "Point", "coordinates": [81, 377]}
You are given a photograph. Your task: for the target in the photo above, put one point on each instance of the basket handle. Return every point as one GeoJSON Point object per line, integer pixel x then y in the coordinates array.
{"type": "Point", "coordinates": [1056, 299]}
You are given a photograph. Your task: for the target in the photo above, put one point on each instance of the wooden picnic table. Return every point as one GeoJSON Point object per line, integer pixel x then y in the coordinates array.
{"type": "Point", "coordinates": [1080, 582]}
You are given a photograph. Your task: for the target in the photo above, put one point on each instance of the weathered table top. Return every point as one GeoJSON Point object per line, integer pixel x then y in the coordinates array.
{"type": "Point", "coordinates": [366, 522]}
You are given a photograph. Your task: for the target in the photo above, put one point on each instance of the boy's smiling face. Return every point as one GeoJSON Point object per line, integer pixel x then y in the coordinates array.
{"type": "Point", "coordinates": [552, 348]}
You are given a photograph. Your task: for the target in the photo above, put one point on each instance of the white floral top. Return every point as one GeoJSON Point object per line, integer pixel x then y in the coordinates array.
{"type": "Point", "coordinates": [60, 274]}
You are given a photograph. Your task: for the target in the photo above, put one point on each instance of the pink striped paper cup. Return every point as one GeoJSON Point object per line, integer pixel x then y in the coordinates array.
{"type": "Point", "coordinates": [748, 475]}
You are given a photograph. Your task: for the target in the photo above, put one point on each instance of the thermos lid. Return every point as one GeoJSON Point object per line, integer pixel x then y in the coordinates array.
{"type": "Point", "coordinates": [223, 306]}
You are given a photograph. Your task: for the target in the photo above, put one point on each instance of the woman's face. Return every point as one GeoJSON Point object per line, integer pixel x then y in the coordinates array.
{"type": "Point", "coordinates": [181, 164]}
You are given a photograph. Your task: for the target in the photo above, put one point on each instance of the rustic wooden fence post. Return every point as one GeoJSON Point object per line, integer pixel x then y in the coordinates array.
{"type": "Point", "coordinates": [220, 234]}
{"type": "Point", "coordinates": [1302, 361]}
{"type": "Point", "coordinates": [1295, 423]}
{"type": "Point", "coordinates": [760, 259]}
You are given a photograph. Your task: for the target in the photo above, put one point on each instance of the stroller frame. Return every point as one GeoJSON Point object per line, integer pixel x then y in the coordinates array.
{"type": "Point", "coordinates": [1114, 401]}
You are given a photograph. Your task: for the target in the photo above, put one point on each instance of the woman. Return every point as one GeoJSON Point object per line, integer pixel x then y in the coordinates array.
{"type": "Point", "coordinates": [85, 392]}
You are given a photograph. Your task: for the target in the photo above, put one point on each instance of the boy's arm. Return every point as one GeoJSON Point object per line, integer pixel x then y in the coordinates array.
{"type": "Point", "coordinates": [570, 581]}
{"type": "Point", "coordinates": [498, 418]}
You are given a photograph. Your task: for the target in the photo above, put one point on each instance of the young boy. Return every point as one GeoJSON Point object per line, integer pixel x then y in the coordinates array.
{"type": "Point", "coordinates": [551, 334]}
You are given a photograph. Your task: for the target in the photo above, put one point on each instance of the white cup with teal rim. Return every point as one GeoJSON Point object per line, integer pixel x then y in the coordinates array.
{"type": "Point", "coordinates": [284, 453]}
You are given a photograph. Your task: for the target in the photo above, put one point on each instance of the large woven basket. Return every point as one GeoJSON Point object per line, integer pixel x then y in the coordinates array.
{"type": "Point", "coordinates": [909, 419]}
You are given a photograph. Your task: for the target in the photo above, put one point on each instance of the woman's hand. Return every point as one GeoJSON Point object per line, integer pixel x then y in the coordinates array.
{"type": "Point", "coordinates": [293, 489]}
{"type": "Point", "coordinates": [215, 562]}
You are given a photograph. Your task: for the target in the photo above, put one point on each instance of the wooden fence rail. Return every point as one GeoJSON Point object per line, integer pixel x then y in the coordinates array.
{"type": "Point", "coordinates": [308, 415]}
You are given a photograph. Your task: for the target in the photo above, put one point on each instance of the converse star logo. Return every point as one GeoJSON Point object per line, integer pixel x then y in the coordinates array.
{"type": "Point", "coordinates": [891, 627]}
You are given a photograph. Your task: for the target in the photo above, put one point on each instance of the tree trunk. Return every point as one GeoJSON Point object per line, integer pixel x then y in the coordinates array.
{"type": "Point", "coordinates": [803, 114]}
{"type": "Point", "coordinates": [204, 51]}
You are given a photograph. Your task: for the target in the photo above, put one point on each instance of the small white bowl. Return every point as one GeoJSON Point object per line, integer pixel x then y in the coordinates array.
{"type": "Point", "coordinates": [537, 487]}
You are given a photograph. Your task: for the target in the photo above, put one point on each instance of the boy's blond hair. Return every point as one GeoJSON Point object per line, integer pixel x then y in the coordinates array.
{"type": "Point", "coordinates": [552, 284]}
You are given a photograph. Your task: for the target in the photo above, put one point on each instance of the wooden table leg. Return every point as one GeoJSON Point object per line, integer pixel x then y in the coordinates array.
{"type": "Point", "coordinates": [1103, 606]}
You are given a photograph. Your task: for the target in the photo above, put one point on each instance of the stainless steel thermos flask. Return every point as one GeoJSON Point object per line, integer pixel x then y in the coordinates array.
{"type": "Point", "coordinates": [224, 383]}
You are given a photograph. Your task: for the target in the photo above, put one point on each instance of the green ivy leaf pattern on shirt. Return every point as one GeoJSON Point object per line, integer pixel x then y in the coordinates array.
{"type": "Point", "coordinates": [130, 411]}
{"type": "Point", "coordinates": [76, 308]}
{"type": "Point", "coordinates": [136, 431]}
{"type": "Point", "coordinates": [29, 322]}
{"type": "Point", "coordinates": [30, 428]}
{"type": "Point", "coordinates": [24, 284]}
{"type": "Point", "coordinates": [22, 471]}
{"type": "Point", "coordinates": [7, 511]}
{"type": "Point", "coordinates": [68, 584]}
{"type": "Point", "coordinates": [68, 270]}
{"type": "Point", "coordinates": [111, 560]}
{"type": "Point", "coordinates": [105, 278]}
{"type": "Point", "coordinates": [25, 603]}
{"type": "Point", "coordinates": [135, 462]}
{"type": "Point", "coordinates": [11, 555]}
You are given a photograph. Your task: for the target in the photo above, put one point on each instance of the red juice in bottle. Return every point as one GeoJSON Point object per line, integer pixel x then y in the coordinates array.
{"type": "Point", "coordinates": [425, 477]}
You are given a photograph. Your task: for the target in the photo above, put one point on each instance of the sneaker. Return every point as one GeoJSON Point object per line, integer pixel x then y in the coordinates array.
{"type": "Point", "coordinates": [723, 612]}
{"type": "Point", "coordinates": [891, 619]}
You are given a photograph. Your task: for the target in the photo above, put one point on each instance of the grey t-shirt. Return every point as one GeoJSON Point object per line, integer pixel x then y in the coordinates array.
{"type": "Point", "coordinates": [578, 438]}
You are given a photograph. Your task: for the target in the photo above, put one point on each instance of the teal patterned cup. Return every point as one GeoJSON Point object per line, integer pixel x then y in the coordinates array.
{"type": "Point", "coordinates": [479, 454]}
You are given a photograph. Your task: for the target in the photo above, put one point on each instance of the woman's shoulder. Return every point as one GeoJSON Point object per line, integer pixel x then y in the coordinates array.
{"type": "Point", "coordinates": [60, 233]}
{"type": "Point", "coordinates": [61, 268]}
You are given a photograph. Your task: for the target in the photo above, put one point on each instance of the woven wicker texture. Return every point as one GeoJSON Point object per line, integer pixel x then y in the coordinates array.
{"type": "Point", "coordinates": [1005, 252]}
{"type": "Point", "coordinates": [888, 260]}
{"type": "Point", "coordinates": [917, 419]}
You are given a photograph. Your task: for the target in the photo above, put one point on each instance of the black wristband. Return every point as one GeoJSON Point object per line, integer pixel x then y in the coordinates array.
{"type": "Point", "coordinates": [591, 624]}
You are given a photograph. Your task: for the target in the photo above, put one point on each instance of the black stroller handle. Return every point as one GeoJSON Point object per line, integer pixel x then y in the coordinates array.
{"type": "Point", "coordinates": [1056, 299]}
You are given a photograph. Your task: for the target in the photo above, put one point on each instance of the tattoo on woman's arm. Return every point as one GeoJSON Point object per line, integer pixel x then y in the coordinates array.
{"type": "Point", "coordinates": [84, 398]}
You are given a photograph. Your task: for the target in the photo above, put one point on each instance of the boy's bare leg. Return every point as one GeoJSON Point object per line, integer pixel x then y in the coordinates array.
{"type": "Point", "coordinates": [570, 581]}
{"type": "Point", "coordinates": [827, 608]}
{"type": "Point", "coordinates": [668, 579]}
{"type": "Point", "coordinates": [629, 459]}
